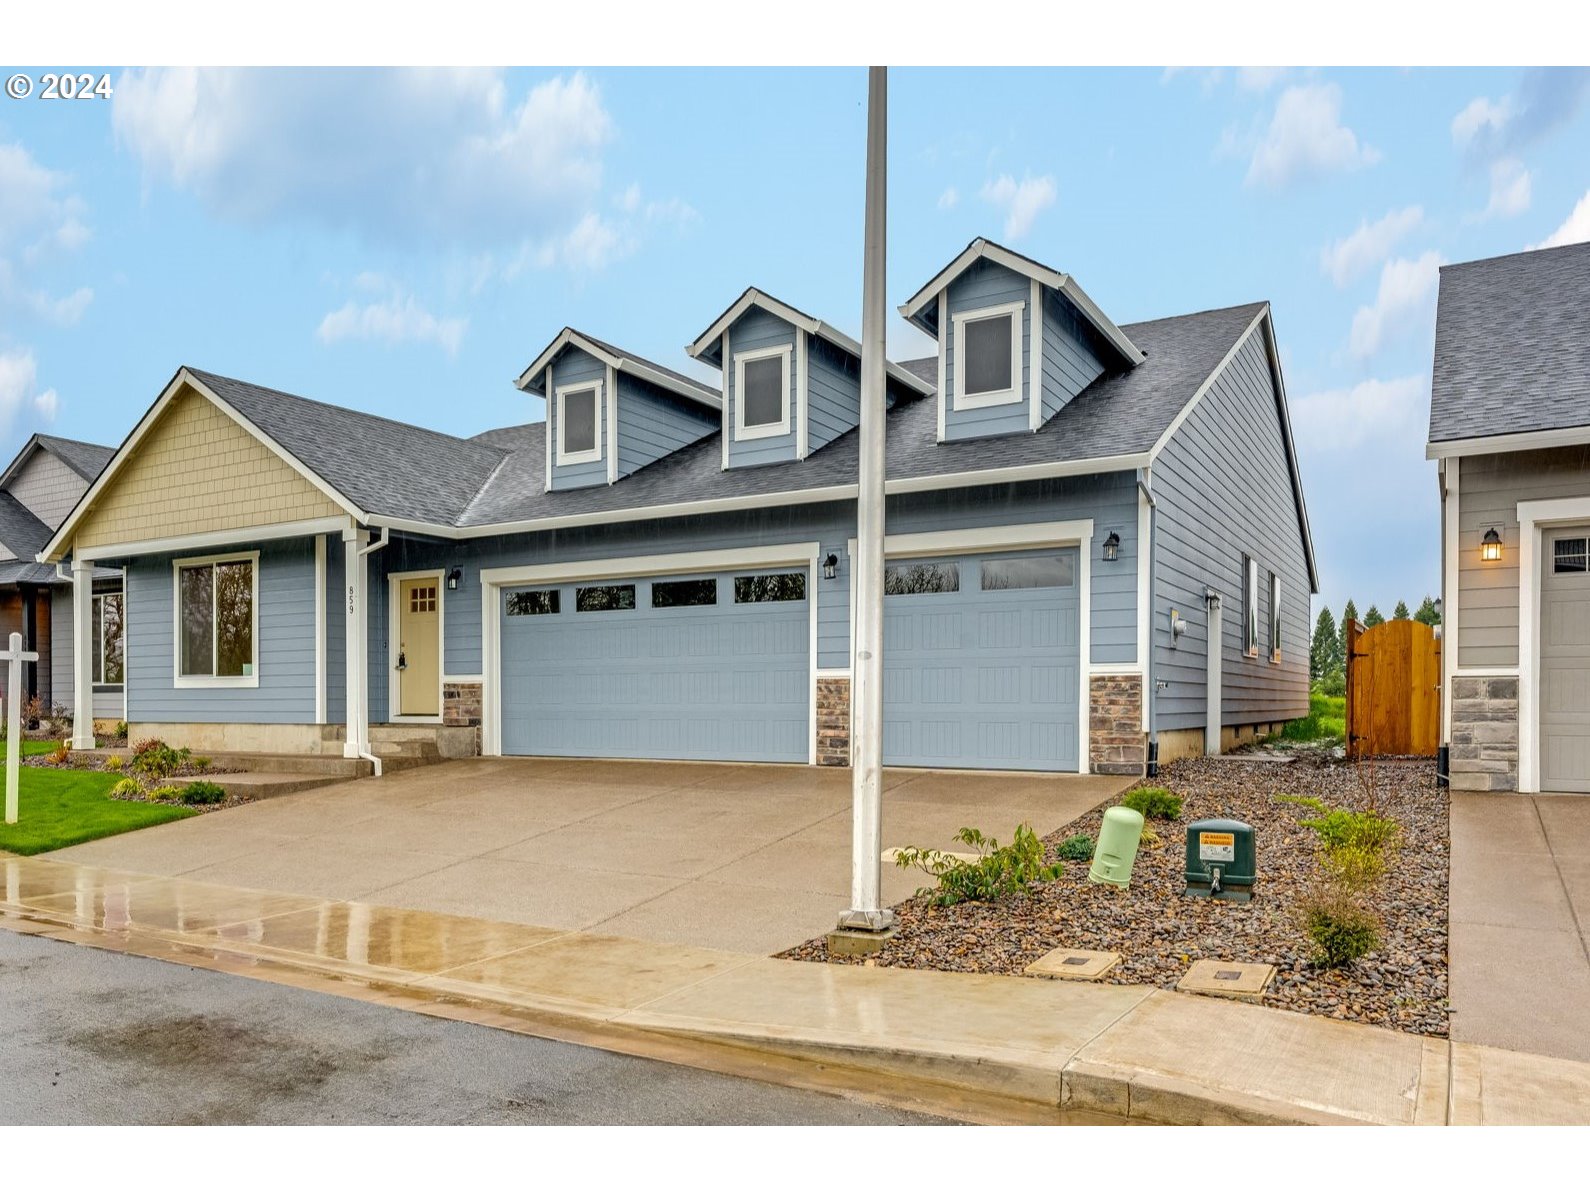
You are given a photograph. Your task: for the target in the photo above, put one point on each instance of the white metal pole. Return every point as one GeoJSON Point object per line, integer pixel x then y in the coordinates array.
{"type": "Point", "coordinates": [866, 912]}
{"type": "Point", "coordinates": [13, 726]}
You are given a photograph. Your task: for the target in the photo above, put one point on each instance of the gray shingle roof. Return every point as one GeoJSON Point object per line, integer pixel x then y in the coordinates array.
{"type": "Point", "coordinates": [1512, 345]}
{"type": "Point", "coordinates": [24, 535]}
{"type": "Point", "coordinates": [496, 476]}
{"type": "Point", "coordinates": [88, 460]}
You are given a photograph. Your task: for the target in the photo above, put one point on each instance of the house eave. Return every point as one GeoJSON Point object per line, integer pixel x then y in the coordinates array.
{"type": "Point", "coordinates": [526, 381]}
{"type": "Point", "coordinates": [1529, 440]}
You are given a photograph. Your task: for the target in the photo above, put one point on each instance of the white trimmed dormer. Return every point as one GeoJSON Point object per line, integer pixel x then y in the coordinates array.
{"type": "Point", "coordinates": [1016, 340]}
{"type": "Point", "coordinates": [791, 383]}
{"type": "Point", "coordinates": [610, 413]}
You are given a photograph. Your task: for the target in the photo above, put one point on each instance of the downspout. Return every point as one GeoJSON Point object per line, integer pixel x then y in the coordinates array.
{"type": "Point", "coordinates": [369, 548]}
{"type": "Point", "coordinates": [1150, 690]}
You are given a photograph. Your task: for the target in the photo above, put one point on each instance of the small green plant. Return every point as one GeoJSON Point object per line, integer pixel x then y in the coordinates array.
{"type": "Point", "coordinates": [1340, 828]}
{"type": "Point", "coordinates": [203, 792]}
{"type": "Point", "coordinates": [1341, 929]}
{"type": "Point", "coordinates": [127, 788]}
{"type": "Point", "coordinates": [200, 763]}
{"type": "Point", "coordinates": [998, 871]}
{"type": "Point", "coordinates": [115, 762]}
{"type": "Point", "coordinates": [1319, 806]}
{"type": "Point", "coordinates": [165, 794]}
{"type": "Point", "coordinates": [121, 730]}
{"type": "Point", "coordinates": [1075, 848]}
{"type": "Point", "coordinates": [1153, 802]}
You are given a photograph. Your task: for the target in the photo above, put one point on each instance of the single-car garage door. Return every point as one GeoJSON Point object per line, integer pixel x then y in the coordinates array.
{"type": "Point", "coordinates": [707, 667]}
{"type": "Point", "coordinates": [1565, 661]}
{"type": "Point", "coordinates": [981, 661]}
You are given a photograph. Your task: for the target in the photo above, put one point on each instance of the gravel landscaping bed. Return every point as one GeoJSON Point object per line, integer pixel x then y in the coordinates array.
{"type": "Point", "coordinates": [1159, 931]}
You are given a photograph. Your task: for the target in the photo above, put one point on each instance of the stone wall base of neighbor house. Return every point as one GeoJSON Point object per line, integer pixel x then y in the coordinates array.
{"type": "Point", "coordinates": [1116, 742]}
{"type": "Point", "coordinates": [1484, 745]}
{"type": "Point", "coordinates": [833, 720]}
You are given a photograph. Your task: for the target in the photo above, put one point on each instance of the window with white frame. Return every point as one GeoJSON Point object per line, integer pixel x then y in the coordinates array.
{"type": "Point", "coordinates": [1250, 606]}
{"type": "Point", "coordinates": [580, 423]}
{"type": "Point", "coordinates": [1275, 617]}
{"type": "Point", "coordinates": [988, 356]}
{"type": "Point", "coordinates": [217, 606]}
{"type": "Point", "coordinates": [109, 655]}
{"type": "Point", "coordinates": [762, 393]}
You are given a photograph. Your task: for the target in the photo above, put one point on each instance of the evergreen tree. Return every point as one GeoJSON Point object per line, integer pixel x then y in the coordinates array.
{"type": "Point", "coordinates": [1325, 653]}
{"type": "Point", "coordinates": [1349, 613]}
{"type": "Point", "coordinates": [1428, 614]}
{"type": "Point", "coordinates": [1373, 618]}
{"type": "Point", "coordinates": [1400, 613]}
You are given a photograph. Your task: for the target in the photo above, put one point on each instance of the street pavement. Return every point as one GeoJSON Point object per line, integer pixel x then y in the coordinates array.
{"type": "Point", "coordinates": [101, 1038]}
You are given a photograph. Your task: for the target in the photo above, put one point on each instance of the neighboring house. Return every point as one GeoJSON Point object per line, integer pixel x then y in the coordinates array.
{"type": "Point", "coordinates": [1510, 429]}
{"type": "Point", "coordinates": [661, 568]}
{"type": "Point", "coordinates": [37, 490]}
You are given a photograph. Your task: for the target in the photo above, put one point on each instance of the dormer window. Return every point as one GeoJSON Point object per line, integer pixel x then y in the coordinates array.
{"type": "Point", "coordinates": [762, 393]}
{"type": "Point", "coordinates": [579, 423]}
{"type": "Point", "coordinates": [988, 356]}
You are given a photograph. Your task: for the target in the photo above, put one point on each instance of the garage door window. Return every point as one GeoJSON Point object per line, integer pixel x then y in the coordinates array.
{"type": "Point", "coordinates": [1045, 571]}
{"type": "Point", "coordinates": [605, 599]}
{"type": "Point", "coordinates": [761, 589]}
{"type": "Point", "coordinates": [684, 593]}
{"type": "Point", "coordinates": [916, 579]}
{"type": "Point", "coordinates": [533, 604]}
{"type": "Point", "coordinates": [1570, 555]}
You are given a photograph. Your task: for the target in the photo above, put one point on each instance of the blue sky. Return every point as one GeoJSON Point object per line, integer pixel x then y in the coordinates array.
{"type": "Point", "coordinates": [405, 242]}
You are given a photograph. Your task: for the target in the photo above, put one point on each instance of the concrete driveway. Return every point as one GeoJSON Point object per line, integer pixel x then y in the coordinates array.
{"type": "Point", "coordinates": [737, 857]}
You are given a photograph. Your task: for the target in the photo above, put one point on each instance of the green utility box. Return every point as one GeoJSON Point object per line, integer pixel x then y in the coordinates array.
{"type": "Point", "coordinates": [1221, 860]}
{"type": "Point", "coordinates": [1116, 849]}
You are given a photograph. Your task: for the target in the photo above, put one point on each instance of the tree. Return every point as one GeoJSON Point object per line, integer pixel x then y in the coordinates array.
{"type": "Point", "coordinates": [1428, 614]}
{"type": "Point", "coordinates": [1400, 613]}
{"type": "Point", "coordinates": [1373, 618]}
{"type": "Point", "coordinates": [1349, 613]}
{"type": "Point", "coordinates": [1325, 653]}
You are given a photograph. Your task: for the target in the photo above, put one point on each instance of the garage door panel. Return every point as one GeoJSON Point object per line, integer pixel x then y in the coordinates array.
{"type": "Point", "coordinates": [1565, 661]}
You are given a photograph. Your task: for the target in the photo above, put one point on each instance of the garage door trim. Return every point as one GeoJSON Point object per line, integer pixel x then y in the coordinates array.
{"type": "Point", "coordinates": [1533, 518]}
{"type": "Point", "coordinates": [494, 579]}
{"type": "Point", "coordinates": [1025, 536]}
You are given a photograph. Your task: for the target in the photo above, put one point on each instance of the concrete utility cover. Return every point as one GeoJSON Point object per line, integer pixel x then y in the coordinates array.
{"type": "Point", "coordinates": [1223, 978]}
{"type": "Point", "coordinates": [1073, 964]}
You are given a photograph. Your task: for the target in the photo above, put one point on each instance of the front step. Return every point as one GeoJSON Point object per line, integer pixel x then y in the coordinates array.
{"type": "Point", "coordinates": [268, 784]}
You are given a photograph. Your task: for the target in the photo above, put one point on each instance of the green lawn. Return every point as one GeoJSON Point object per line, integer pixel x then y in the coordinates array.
{"type": "Point", "coordinates": [1326, 720]}
{"type": "Point", "coordinates": [61, 807]}
{"type": "Point", "coordinates": [29, 748]}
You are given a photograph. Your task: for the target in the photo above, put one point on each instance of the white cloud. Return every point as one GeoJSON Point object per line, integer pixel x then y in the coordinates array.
{"type": "Point", "coordinates": [1352, 256]}
{"type": "Point", "coordinates": [1259, 78]}
{"type": "Point", "coordinates": [441, 156]}
{"type": "Point", "coordinates": [1306, 138]}
{"type": "Point", "coordinates": [1546, 99]}
{"type": "Point", "coordinates": [1406, 298]}
{"type": "Point", "coordinates": [40, 224]}
{"type": "Point", "coordinates": [1481, 117]}
{"type": "Point", "coordinates": [1511, 187]}
{"type": "Point", "coordinates": [1022, 202]}
{"type": "Point", "coordinates": [19, 391]}
{"type": "Point", "coordinates": [1574, 230]}
{"type": "Point", "coordinates": [397, 318]}
{"type": "Point", "coordinates": [949, 198]}
{"type": "Point", "coordinates": [1337, 419]}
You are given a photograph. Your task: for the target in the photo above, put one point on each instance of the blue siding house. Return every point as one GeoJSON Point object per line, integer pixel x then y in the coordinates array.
{"type": "Point", "coordinates": [1097, 547]}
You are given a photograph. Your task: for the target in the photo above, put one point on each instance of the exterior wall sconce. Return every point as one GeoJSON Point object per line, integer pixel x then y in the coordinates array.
{"type": "Point", "coordinates": [830, 566]}
{"type": "Point", "coordinates": [1491, 546]}
{"type": "Point", "coordinates": [1112, 547]}
{"type": "Point", "coordinates": [453, 578]}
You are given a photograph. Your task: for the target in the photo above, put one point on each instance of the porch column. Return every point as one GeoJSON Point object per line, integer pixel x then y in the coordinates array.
{"type": "Point", "coordinates": [82, 654]}
{"type": "Point", "coordinates": [355, 584]}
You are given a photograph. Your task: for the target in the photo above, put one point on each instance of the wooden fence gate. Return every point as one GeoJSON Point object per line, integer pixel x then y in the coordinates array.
{"type": "Point", "coordinates": [1393, 689]}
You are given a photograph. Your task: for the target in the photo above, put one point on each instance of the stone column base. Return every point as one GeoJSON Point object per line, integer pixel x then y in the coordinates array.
{"type": "Point", "coordinates": [1484, 745]}
{"type": "Point", "coordinates": [1116, 742]}
{"type": "Point", "coordinates": [833, 720]}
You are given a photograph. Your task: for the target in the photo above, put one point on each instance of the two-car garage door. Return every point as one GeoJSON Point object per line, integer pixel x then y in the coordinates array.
{"type": "Point", "coordinates": [981, 665]}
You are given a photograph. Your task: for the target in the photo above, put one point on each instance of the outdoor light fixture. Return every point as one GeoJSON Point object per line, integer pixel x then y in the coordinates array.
{"type": "Point", "coordinates": [1491, 546]}
{"type": "Point", "coordinates": [453, 577]}
{"type": "Point", "coordinates": [830, 564]}
{"type": "Point", "coordinates": [1112, 547]}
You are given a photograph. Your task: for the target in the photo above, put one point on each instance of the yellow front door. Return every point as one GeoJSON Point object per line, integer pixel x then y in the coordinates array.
{"type": "Point", "coordinates": [419, 662]}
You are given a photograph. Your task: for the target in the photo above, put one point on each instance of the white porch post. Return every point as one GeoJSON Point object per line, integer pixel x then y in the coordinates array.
{"type": "Point", "coordinates": [355, 604]}
{"type": "Point", "coordinates": [82, 654]}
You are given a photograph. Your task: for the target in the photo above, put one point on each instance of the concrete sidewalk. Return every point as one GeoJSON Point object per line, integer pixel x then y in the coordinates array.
{"type": "Point", "coordinates": [1020, 1048]}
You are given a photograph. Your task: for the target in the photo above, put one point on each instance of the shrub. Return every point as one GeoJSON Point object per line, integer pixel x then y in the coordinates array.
{"type": "Point", "coordinates": [1153, 802]}
{"type": "Point", "coordinates": [60, 755]}
{"type": "Point", "coordinates": [1075, 848]}
{"type": "Point", "coordinates": [203, 792]}
{"type": "Point", "coordinates": [165, 794]}
{"type": "Point", "coordinates": [159, 760]}
{"type": "Point", "coordinates": [121, 730]}
{"type": "Point", "coordinates": [127, 788]}
{"type": "Point", "coordinates": [999, 870]}
{"type": "Point", "coordinates": [1340, 828]}
{"type": "Point", "coordinates": [32, 711]}
{"type": "Point", "coordinates": [115, 762]}
{"type": "Point", "coordinates": [1354, 867]}
{"type": "Point", "coordinates": [200, 763]}
{"type": "Point", "coordinates": [142, 747]}
{"type": "Point", "coordinates": [1340, 929]}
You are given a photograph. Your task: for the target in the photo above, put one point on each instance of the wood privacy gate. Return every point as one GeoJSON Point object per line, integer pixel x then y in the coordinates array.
{"type": "Point", "coordinates": [1393, 689]}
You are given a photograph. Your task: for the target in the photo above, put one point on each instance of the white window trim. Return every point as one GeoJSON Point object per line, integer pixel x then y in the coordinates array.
{"type": "Point", "coordinates": [99, 632]}
{"type": "Point", "coordinates": [1250, 606]}
{"type": "Point", "coordinates": [394, 697]}
{"type": "Point", "coordinates": [1275, 617]}
{"type": "Point", "coordinates": [595, 453]}
{"type": "Point", "coordinates": [999, 397]}
{"type": "Point", "coordinates": [769, 430]}
{"type": "Point", "coordinates": [177, 677]}
{"type": "Point", "coordinates": [1534, 517]}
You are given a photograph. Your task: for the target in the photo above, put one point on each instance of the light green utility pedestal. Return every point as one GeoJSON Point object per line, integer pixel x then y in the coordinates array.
{"type": "Point", "coordinates": [1117, 847]}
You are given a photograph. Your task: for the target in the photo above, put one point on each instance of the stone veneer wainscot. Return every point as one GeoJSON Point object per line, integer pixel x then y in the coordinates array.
{"type": "Point", "coordinates": [833, 721]}
{"type": "Point", "coordinates": [1484, 749]}
{"type": "Point", "coordinates": [1116, 744]}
